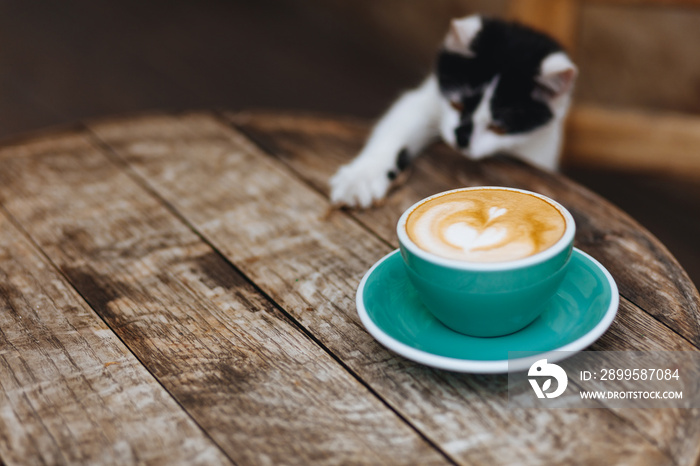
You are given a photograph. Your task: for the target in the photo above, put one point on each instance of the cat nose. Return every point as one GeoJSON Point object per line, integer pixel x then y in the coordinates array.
{"type": "Point", "coordinates": [463, 133]}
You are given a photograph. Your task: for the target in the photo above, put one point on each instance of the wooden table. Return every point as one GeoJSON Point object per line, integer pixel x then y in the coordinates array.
{"type": "Point", "coordinates": [174, 289]}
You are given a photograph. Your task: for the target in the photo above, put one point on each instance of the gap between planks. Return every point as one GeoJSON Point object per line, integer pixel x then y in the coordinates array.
{"type": "Point", "coordinates": [270, 152]}
{"type": "Point", "coordinates": [67, 280]}
{"type": "Point", "coordinates": [287, 170]}
{"type": "Point", "coordinates": [124, 165]}
{"type": "Point", "coordinates": [407, 427]}
{"type": "Point", "coordinates": [40, 254]}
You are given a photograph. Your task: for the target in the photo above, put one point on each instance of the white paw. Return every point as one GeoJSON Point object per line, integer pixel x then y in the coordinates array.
{"type": "Point", "coordinates": [359, 184]}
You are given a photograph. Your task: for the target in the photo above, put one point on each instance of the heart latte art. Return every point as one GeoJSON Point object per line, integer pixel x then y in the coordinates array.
{"type": "Point", "coordinates": [485, 225]}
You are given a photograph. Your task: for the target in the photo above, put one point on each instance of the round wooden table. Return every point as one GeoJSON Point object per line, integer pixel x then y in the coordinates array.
{"type": "Point", "coordinates": [175, 289]}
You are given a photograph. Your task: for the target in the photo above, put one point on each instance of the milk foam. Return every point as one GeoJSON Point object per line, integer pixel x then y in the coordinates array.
{"type": "Point", "coordinates": [489, 225]}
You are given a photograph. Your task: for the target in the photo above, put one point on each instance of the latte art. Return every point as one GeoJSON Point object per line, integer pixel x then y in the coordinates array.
{"type": "Point", "coordinates": [485, 225]}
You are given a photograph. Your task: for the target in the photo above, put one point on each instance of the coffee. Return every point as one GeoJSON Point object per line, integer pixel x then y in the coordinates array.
{"type": "Point", "coordinates": [485, 225]}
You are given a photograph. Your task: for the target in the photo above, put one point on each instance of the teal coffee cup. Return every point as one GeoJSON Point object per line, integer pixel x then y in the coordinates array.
{"type": "Point", "coordinates": [485, 261]}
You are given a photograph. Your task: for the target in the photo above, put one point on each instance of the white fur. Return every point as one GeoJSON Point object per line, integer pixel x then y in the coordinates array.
{"type": "Point", "coordinates": [462, 32]}
{"type": "Point", "coordinates": [541, 147]}
{"type": "Point", "coordinates": [421, 115]}
{"type": "Point", "coordinates": [411, 123]}
{"type": "Point", "coordinates": [558, 73]}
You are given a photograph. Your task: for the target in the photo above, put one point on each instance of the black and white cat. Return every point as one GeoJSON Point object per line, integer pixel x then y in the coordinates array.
{"type": "Point", "coordinates": [497, 87]}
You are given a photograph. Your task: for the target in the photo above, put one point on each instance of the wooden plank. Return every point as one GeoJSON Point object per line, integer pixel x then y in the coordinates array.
{"type": "Point", "coordinates": [645, 271]}
{"type": "Point", "coordinates": [263, 391]}
{"type": "Point", "coordinates": [70, 391]}
{"type": "Point", "coordinates": [633, 140]}
{"type": "Point", "coordinates": [275, 229]}
{"type": "Point", "coordinates": [558, 18]}
{"type": "Point", "coordinates": [676, 431]}
{"type": "Point", "coordinates": [313, 148]}
{"type": "Point", "coordinates": [656, 3]}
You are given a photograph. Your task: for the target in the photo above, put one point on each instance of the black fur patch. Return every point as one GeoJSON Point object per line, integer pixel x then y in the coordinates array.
{"type": "Point", "coordinates": [403, 159]}
{"type": "Point", "coordinates": [463, 134]}
{"type": "Point", "coordinates": [512, 52]}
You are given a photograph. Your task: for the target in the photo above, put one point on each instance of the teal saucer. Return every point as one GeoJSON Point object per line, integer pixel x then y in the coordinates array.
{"type": "Point", "coordinates": [579, 313]}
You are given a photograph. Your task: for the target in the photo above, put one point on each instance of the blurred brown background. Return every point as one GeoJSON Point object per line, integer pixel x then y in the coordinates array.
{"type": "Point", "coordinates": [62, 62]}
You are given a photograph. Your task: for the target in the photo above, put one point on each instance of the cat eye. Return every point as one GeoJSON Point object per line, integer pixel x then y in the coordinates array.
{"type": "Point", "coordinates": [496, 128]}
{"type": "Point", "coordinates": [457, 105]}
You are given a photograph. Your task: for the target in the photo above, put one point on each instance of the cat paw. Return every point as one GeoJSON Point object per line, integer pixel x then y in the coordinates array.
{"type": "Point", "coordinates": [359, 184]}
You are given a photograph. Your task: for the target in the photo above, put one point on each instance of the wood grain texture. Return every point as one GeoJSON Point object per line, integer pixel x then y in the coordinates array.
{"type": "Point", "coordinates": [333, 142]}
{"type": "Point", "coordinates": [277, 231]}
{"type": "Point", "coordinates": [657, 3]}
{"type": "Point", "coordinates": [615, 139]}
{"type": "Point", "coordinates": [263, 390]}
{"type": "Point", "coordinates": [646, 273]}
{"type": "Point", "coordinates": [644, 141]}
{"type": "Point", "coordinates": [70, 391]}
{"type": "Point", "coordinates": [675, 431]}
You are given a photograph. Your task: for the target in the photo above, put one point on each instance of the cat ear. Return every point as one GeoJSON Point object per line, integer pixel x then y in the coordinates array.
{"type": "Point", "coordinates": [557, 75]}
{"type": "Point", "coordinates": [462, 32]}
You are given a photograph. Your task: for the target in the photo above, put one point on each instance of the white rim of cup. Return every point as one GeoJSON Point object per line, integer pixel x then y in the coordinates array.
{"type": "Point", "coordinates": [555, 249]}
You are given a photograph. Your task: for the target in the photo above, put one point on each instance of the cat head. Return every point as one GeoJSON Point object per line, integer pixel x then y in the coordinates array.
{"type": "Point", "coordinates": [500, 82]}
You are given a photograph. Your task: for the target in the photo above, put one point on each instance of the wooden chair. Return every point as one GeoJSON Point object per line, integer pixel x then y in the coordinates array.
{"type": "Point", "coordinates": [616, 138]}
